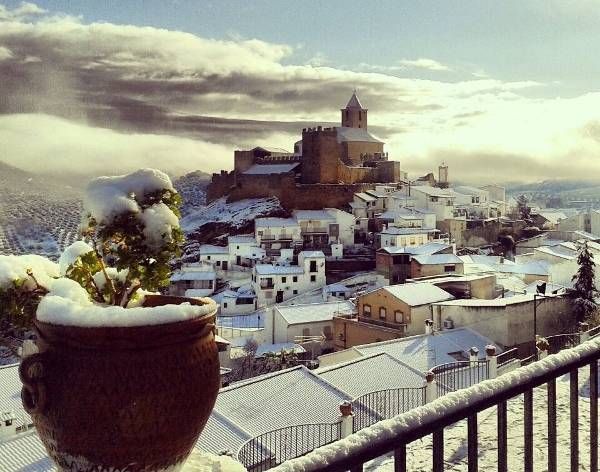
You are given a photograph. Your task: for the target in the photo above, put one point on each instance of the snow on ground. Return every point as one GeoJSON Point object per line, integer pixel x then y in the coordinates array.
{"type": "Point", "coordinates": [210, 463]}
{"type": "Point", "coordinates": [236, 214]}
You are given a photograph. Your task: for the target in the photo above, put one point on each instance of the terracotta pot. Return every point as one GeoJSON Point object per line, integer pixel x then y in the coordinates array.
{"type": "Point", "coordinates": [122, 399]}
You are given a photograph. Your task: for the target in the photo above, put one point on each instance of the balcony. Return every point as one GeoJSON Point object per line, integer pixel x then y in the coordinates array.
{"type": "Point", "coordinates": [382, 323]}
{"type": "Point", "coordinates": [563, 438]}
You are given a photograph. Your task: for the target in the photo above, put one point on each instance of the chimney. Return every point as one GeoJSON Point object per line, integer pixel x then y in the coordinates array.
{"type": "Point", "coordinates": [428, 326]}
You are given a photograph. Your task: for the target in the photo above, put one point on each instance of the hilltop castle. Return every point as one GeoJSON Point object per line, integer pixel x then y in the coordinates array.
{"type": "Point", "coordinates": [327, 167]}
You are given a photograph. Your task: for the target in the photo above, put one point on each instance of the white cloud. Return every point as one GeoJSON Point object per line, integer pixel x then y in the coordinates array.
{"type": "Point", "coordinates": [5, 53]}
{"type": "Point", "coordinates": [424, 63]}
{"type": "Point", "coordinates": [44, 143]}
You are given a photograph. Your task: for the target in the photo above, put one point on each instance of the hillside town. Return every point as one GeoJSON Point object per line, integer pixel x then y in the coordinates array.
{"type": "Point", "coordinates": [434, 287]}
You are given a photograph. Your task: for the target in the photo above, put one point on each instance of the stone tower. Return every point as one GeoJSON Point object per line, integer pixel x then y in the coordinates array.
{"type": "Point", "coordinates": [354, 115]}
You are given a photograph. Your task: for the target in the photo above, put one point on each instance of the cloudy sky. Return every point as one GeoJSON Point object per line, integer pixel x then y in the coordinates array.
{"type": "Point", "coordinates": [501, 91]}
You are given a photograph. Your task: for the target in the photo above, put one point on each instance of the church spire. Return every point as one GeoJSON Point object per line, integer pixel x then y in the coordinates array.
{"type": "Point", "coordinates": [354, 115]}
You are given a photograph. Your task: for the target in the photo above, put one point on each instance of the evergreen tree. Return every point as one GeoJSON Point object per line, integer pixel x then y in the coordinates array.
{"type": "Point", "coordinates": [523, 209]}
{"type": "Point", "coordinates": [584, 289]}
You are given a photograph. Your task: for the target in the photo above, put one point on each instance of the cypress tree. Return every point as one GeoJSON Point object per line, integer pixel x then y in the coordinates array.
{"type": "Point", "coordinates": [584, 289]}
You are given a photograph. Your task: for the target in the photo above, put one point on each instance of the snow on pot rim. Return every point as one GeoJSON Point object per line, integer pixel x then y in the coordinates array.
{"type": "Point", "coordinates": [68, 304]}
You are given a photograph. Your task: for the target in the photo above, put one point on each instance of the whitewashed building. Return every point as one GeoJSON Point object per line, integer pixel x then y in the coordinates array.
{"type": "Point", "coordinates": [274, 283]}
{"type": "Point", "coordinates": [321, 228]}
{"type": "Point", "coordinates": [438, 200]}
{"type": "Point", "coordinates": [193, 280]}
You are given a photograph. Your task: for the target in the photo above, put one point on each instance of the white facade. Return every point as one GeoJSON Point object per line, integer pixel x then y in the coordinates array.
{"type": "Point", "coordinates": [244, 250]}
{"type": "Point", "coordinates": [193, 280]}
{"type": "Point", "coordinates": [218, 256]}
{"type": "Point", "coordinates": [277, 283]}
{"type": "Point", "coordinates": [440, 201]}
{"type": "Point", "coordinates": [474, 202]}
{"type": "Point", "coordinates": [401, 237]}
{"type": "Point", "coordinates": [330, 224]}
{"type": "Point", "coordinates": [272, 230]}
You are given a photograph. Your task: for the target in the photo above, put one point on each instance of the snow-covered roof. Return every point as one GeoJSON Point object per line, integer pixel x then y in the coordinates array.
{"type": "Point", "coordinates": [314, 312]}
{"type": "Point", "coordinates": [275, 222]}
{"type": "Point", "coordinates": [269, 269]}
{"type": "Point", "coordinates": [285, 398]}
{"type": "Point", "coordinates": [210, 249]}
{"type": "Point", "coordinates": [365, 197]}
{"type": "Point", "coordinates": [221, 433]}
{"type": "Point", "coordinates": [466, 190]}
{"type": "Point", "coordinates": [266, 169]}
{"type": "Point", "coordinates": [400, 215]}
{"type": "Point", "coordinates": [25, 453]}
{"type": "Point", "coordinates": [433, 191]}
{"type": "Point", "coordinates": [558, 251]}
{"type": "Point", "coordinates": [434, 259]}
{"type": "Point", "coordinates": [242, 239]}
{"type": "Point", "coordinates": [313, 215]}
{"type": "Point", "coordinates": [312, 254]}
{"type": "Point", "coordinates": [10, 389]}
{"type": "Point", "coordinates": [407, 231]}
{"type": "Point", "coordinates": [550, 287]}
{"type": "Point", "coordinates": [553, 216]}
{"type": "Point", "coordinates": [428, 248]}
{"type": "Point", "coordinates": [417, 294]}
{"type": "Point", "coordinates": [345, 134]}
{"type": "Point", "coordinates": [356, 376]}
{"type": "Point", "coordinates": [278, 348]}
{"type": "Point", "coordinates": [190, 274]}
{"type": "Point", "coordinates": [496, 302]}
{"type": "Point", "coordinates": [425, 351]}
{"type": "Point", "coordinates": [336, 288]}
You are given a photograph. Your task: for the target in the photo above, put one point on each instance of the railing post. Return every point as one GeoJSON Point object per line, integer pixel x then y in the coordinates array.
{"type": "Point", "coordinates": [490, 355]}
{"type": "Point", "coordinates": [584, 335]}
{"type": "Point", "coordinates": [346, 419]}
{"type": "Point", "coordinates": [541, 346]}
{"type": "Point", "coordinates": [430, 387]}
{"type": "Point", "coordinates": [473, 356]}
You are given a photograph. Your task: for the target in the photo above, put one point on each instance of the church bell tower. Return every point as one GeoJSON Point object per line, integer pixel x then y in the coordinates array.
{"type": "Point", "coordinates": [354, 115]}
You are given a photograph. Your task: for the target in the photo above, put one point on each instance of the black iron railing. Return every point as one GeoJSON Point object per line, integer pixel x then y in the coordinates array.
{"type": "Point", "coordinates": [458, 375]}
{"type": "Point", "coordinates": [511, 355]}
{"type": "Point", "coordinates": [429, 420]}
{"type": "Point", "coordinates": [592, 333]}
{"type": "Point", "coordinates": [384, 404]}
{"type": "Point", "coordinates": [559, 342]}
{"type": "Point", "coordinates": [275, 447]}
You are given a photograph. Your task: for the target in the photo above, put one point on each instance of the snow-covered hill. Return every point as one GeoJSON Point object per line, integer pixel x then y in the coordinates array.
{"type": "Point", "coordinates": [192, 188]}
{"type": "Point", "coordinates": [37, 215]}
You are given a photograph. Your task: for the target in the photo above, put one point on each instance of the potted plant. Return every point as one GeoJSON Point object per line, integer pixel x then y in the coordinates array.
{"type": "Point", "coordinates": [125, 379]}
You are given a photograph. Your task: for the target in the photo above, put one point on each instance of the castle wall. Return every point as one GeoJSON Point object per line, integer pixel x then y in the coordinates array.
{"type": "Point", "coordinates": [351, 150]}
{"type": "Point", "coordinates": [220, 185]}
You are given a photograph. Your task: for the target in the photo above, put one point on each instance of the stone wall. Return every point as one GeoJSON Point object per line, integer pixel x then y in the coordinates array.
{"type": "Point", "coordinates": [352, 150]}
{"type": "Point", "coordinates": [220, 185]}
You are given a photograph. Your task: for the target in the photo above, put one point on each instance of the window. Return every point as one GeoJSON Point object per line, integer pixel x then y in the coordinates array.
{"type": "Point", "coordinates": [260, 233]}
{"type": "Point", "coordinates": [382, 313]}
{"type": "Point", "coordinates": [238, 247]}
{"type": "Point", "coordinates": [219, 263]}
{"type": "Point", "coordinates": [313, 278]}
{"type": "Point", "coordinates": [367, 310]}
{"type": "Point", "coordinates": [283, 280]}
{"type": "Point", "coordinates": [450, 268]}
{"type": "Point", "coordinates": [433, 199]}
{"type": "Point", "coordinates": [295, 278]}
{"type": "Point", "coordinates": [399, 316]}
{"type": "Point", "coordinates": [224, 304]}
{"type": "Point", "coordinates": [313, 266]}
{"type": "Point", "coordinates": [295, 292]}
{"type": "Point", "coordinates": [208, 258]}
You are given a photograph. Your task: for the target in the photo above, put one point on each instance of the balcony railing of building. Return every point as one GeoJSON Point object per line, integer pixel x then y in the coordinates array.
{"type": "Point", "coordinates": [432, 419]}
{"type": "Point", "coordinates": [383, 323]}
{"type": "Point", "coordinates": [461, 374]}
